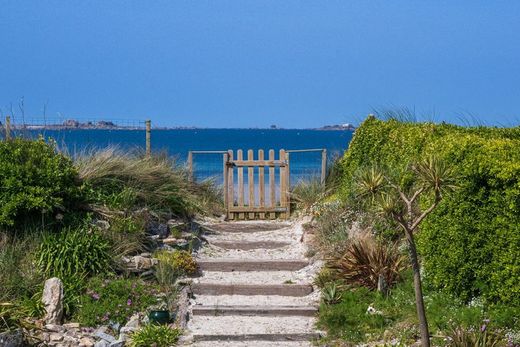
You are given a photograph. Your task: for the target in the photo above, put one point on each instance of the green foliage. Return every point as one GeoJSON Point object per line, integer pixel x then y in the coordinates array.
{"type": "Point", "coordinates": [18, 275]}
{"type": "Point", "coordinates": [155, 335]}
{"type": "Point", "coordinates": [35, 180]}
{"type": "Point", "coordinates": [396, 314]}
{"type": "Point", "coordinates": [307, 193]}
{"type": "Point", "coordinates": [74, 252]}
{"type": "Point", "coordinates": [113, 300]}
{"type": "Point", "coordinates": [121, 180]}
{"type": "Point", "coordinates": [470, 245]}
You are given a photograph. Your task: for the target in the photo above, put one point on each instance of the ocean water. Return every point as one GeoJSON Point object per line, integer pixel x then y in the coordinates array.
{"type": "Point", "coordinates": [178, 142]}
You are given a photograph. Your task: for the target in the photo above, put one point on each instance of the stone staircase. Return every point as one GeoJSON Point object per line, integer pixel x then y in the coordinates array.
{"type": "Point", "coordinates": [255, 288]}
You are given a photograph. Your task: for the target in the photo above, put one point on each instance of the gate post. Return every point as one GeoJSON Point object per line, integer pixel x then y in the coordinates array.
{"type": "Point", "coordinates": [148, 137]}
{"type": "Point", "coordinates": [323, 165]}
{"type": "Point", "coordinates": [225, 183]}
{"type": "Point", "coordinates": [190, 164]}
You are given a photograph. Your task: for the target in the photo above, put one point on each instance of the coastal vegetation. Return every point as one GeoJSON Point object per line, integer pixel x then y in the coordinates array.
{"type": "Point", "coordinates": [93, 221]}
{"type": "Point", "coordinates": [468, 241]}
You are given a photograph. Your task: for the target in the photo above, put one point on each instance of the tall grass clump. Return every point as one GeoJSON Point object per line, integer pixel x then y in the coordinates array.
{"type": "Point", "coordinates": [120, 180]}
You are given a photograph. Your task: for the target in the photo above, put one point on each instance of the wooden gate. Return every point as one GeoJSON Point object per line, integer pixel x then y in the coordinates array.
{"type": "Point", "coordinates": [251, 200]}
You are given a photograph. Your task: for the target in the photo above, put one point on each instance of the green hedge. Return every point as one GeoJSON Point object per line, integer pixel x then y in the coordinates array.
{"type": "Point", "coordinates": [34, 180]}
{"type": "Point", "coordinates": [470, 245]}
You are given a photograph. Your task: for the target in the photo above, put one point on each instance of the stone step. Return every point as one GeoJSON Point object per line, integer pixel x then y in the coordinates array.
{"type": "Point", "coordinates": [256, 300]}
{"type": "Point", "coordinates": [252, 289]}
{"type": "Point", "coordinates": [245, 227]}
{"type": "Point", "coordinates": [217, 310]}
{"type": "Point", "coordinates": [253, 343]}
{"type": "Point", "coordinates": [249, 245]}
{"type": "Point", "coordinates": [258, 337]}
{"type": "Point", "coordinates": [228, 265]}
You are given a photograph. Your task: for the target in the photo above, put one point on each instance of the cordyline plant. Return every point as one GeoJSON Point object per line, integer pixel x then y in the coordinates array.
{"type": "Point", "coordinates": [429, 179]}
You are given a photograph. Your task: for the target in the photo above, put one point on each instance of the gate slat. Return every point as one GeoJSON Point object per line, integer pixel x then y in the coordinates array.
{"type": "Point", "coordinates": [231, 186]}
{"type": "Point", "coordinates": [261, 184]}
{"type": "Point", "coordinates": [272, 188]}
{"type": "Point", "coordinates": [282, 182]}
{"type": "Point", "coordinates": [240, 184]}
{"type": "Point", "coordinates": [251, 183]}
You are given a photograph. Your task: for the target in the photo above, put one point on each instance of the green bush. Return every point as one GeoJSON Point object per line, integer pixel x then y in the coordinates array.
{"type": "Point", "coordinates": [35, 180]}
{"type": "Point", "coordinates": [113, 300]}
{"type": "Point", "coordinates": [74, 251]}
{"type": "Point", "coordinates": [470, 245]}
{"type": "Point", "coordinates": [155, 335]}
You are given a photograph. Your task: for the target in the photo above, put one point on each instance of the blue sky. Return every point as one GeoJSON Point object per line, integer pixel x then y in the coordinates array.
{"type": "Point", "coordinates": [256, 63]}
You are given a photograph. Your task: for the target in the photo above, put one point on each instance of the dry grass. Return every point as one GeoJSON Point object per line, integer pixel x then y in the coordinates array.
{"type": "Point", "coordinates": [156, 182]}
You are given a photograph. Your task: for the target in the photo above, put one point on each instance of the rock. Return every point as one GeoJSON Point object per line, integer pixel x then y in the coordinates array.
{"type": "Point", "coordinates": [71, 326]}
{"type": "Point", "coordinates": [101, 329]}
{"type": "Point", "coordinates": [173, 223]}
{"type": "Point", "coordinates": [12, 338]}
{"type": "Point", "coordinates": [154, 228]}
{"type": "Point", "coordinates": [117, 343]}
{"type": "Point", "coordinates": [56, 337]}
{"type": "Point", "coordinates": [53, 300]}
{"type": "Point", "coordinates": [133, 322]}
{"type": "Point", "coordinates": [102, 343]}
{"type": "Point", "coordinates": [105, 336]}
{"type": "Point", "coordinates": [139, 262]}
{"type": "Point", "coordinates": [54, 328]}
{"type": "Point", "coordinates": [86, 342]}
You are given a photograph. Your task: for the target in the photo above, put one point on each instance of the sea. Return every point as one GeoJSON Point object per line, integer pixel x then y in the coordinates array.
{"type": "Point", "coordinates": [178, 142]}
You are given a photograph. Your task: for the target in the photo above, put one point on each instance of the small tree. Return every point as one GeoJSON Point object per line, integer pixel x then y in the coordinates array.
{"type": "Point", "coordinates": [398, 197]}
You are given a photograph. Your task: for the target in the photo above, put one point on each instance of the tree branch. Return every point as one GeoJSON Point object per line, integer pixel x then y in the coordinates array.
{"type": "Point", "coordinates": [427, 211]}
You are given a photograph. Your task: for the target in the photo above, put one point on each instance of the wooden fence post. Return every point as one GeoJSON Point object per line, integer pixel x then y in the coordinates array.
{"type": "Point", "coordinates": [323, 166]}
{"type": "Point", "coordinates": [148, 137]}
{"type": "Point", "coordinates": [7, 127]}
{"type": "Point", "coordinates": [190, 164]}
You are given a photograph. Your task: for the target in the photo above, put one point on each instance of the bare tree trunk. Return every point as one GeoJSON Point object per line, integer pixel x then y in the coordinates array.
{"type": "Point", "coordinates": [419, 303]}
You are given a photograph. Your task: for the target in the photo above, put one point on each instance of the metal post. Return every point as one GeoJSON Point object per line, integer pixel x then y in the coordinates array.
{"type": "Point", "coordinates": [148, 137]}
{"type": "Point", "coordinates": [323, 165]}
{"type": "Point", "coordinates": [190, 164]}
{"type": "Point", "coordinates": [7, 128]}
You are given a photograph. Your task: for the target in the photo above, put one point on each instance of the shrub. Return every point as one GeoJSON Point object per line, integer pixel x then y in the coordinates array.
{"type": "Point", "coordinates": [469, 244]}
{"type": "Point", "coordinates": [74, 252]}
{"type": "Point", "coordinates": [307, 193]}
{"type": "Point", "coordinates": [180, 262]}
{"type": "Point", "coordinates": [35, 181]}
{"type": "Point", "coordinates": [155, 335]}
{"type": "Point", "coordinates": [122, 180]}
{"type": "Point", "coordinates": [113, 300]}
{"type": "Point", "coordinates": [332, 227]}
{"type": "Point", "coordinates": [365, 260]}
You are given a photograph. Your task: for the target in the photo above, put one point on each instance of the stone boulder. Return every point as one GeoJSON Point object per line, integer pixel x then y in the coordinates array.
{"type": "Point", "coordinates": [53, 300]}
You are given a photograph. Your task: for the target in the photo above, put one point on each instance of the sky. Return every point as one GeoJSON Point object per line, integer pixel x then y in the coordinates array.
{"type": "Point", "coordinates": [244, 63]}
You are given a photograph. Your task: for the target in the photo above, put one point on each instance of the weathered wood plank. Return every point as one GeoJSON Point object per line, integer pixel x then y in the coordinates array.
{"type": "Point", "coordinates": [251, 183]}
{"type": "Point", "coordinates": [226, 265]}
{"type": "Point", "coordinates": [272, 184]}
{"type": "Point", "coordinates": [240, 184]}
{"type": "Point", "coordinates": [274, 163]}
{"type": "Point", "coordinates": [282, 183]}
{"type": "Point", "coordinates": [258, 209]}
{"type": "Point", "coordinates": [231, 186]}
{"type": "Point", "coordinates": [261, 184]}
{"type": "Point", "coordinates": [288, 186]}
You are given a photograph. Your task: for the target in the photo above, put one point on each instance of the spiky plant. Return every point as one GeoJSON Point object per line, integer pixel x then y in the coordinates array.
{"type": "Point", "coordinates": [368, 262]}
{"type": "Point", "coordinates": [430, 177]}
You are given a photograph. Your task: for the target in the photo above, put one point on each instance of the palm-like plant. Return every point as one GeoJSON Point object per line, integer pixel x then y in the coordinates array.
{"type": "Point", "coordinates": [431, 176]}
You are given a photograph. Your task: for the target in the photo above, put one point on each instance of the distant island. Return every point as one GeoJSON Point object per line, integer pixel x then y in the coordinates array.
{"type": "Point", "coordinates": [110, 125]}
{"type": "Point", "coordinates": [346, 126]}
